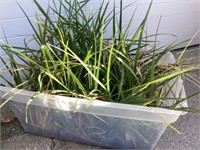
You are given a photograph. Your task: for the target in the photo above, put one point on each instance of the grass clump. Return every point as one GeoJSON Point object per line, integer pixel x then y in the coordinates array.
{"type": "Point", "coordinates": [75, 57]}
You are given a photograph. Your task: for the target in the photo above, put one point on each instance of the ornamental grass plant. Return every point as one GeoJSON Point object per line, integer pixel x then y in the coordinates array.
{"type": "Point", "coordinates": [76, 58]}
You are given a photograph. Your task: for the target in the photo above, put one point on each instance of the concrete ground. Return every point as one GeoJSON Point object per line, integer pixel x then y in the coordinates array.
{"type": "Point", "coordinates": [13, 136]}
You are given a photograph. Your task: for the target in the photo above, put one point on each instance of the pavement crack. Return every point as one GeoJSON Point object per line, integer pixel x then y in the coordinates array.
{"type": "Point", "coordinates": [53, 144]}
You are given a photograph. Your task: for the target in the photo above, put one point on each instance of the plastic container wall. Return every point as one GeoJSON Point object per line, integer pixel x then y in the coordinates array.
{"type": "Point", "coordinates": [93, 122]}
{"type": "Point", "coordinates": [104, 131]}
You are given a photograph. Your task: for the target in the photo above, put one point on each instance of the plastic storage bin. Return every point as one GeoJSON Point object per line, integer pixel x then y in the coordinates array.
{"type": "Point", "coordinates": [91, 122]}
